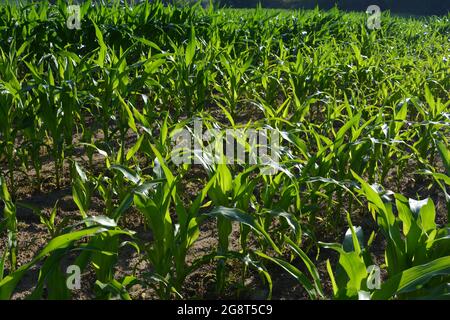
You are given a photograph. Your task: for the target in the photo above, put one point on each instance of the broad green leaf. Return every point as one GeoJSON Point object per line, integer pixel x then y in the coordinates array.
{"type": "Point", "coordinates": [8, 284]}
{"type": "Point", "coordinates": [103, 48]}
{"type": "Point", "coordinates": [135, 148]}
{"type": "Point", "coordinates": [410, 279]}
{"type": "Point", "coordinates": [237, 215]}
{"type": "Point", "coordinates": [127, 173]}
{"type": "Point", "coordinates": [190, 49]}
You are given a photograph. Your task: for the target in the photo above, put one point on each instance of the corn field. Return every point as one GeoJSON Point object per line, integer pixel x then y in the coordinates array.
{"type": "Point", "coordinates": [356, 205]}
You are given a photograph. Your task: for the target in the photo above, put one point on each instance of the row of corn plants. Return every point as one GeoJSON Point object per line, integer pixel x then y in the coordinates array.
{"type": "Point", "coordinates": [362, 118]}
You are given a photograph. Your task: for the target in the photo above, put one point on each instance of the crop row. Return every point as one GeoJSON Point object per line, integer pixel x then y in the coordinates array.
{"type": "Point", "coordinates": [362, 117]}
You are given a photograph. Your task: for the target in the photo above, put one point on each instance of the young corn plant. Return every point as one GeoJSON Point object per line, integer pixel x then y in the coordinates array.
{"type": "Point", "coordinates": [351, 277]}
{"type": "Point", "coordinates": [415, 243]}
{"type": "Point", "coordinates": [107, 246]}
{"type": "Point", "coordinates": [11, 113]}
{"type": "Point", "coordinates": [8, 223]}
{"type": "Point", "coordinates": [172, 234]}
{"type": "Point", "coordinates": [51, 275]}
{"type": "Point", "coordinates": [232, 81]}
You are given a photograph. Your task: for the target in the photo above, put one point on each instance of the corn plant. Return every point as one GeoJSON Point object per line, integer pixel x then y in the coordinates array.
{"type": "Point", "coordinates": [417, 252]}
{"type": "Point", "coordinates": [9, 223]}
{"type": "Point", "coordinates": [51, 274]}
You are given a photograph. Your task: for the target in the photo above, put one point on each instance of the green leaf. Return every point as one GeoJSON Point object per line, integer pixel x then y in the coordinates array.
{"type": "Point", "coordinates": [127, 173]}
{"type": "Point", "coordinates": [332, 279]}
{"type": "Point", "coordinates": [350, 240]}
{"type": "Point", "coordinates": [290, 219]}
{"type": "Point", "coordinates": [445, 154]}
{"type": "Point", "coordinates": [160, 162]}
{"type": "Point", "coordinates": [410, 279]}
{"type": "Point", "coordinates": [430, 100]}
{"type": "Point", "coordinates": [293, 271]}
{"type": "Point", "coordinates": [129, 114]}
{"type": "Point", "coordinates": [341, 133]}
{"type": "Point", "coordinates": [80, 172]}
{"type": "Point", "coordinates": [427, 216]}
{"type": "Point", "coordinates": [404, 213]}
{"type": "Point", "coordinates": [190, 49]}
{"type": "Point", "coordinates": [237, 215]}
{"type": "Point", "coordinates": [8, 284]}
{"type": "Point", "coordinates": [224, 178]}
{"type": "Point", "coordinates": [374, 199]}
{"type": "Point", "coordinates": [125, 204]}
{"type": "Point", "coordinates": [353, 272]}
{"type": "Point", "coordinates": [309, 265]}
{"type": "Point", "coordinates": [135, 148]}
{"type": "Point", "coordinates": [2, 264]}
{"type": "Point", "coordinates": [103, 48]}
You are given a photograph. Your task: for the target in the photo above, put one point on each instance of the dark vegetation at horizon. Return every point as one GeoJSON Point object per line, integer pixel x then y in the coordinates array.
{"type": "Point", "coordinates": [415, 7]}
{"type": "Point", "coordinates": [412, 7]}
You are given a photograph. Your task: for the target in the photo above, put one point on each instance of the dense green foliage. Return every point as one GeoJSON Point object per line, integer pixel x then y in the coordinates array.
{"type": "Point", "coordinates": [417, 7]}
{"type": "Point", "coordinates": [361, 113]}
